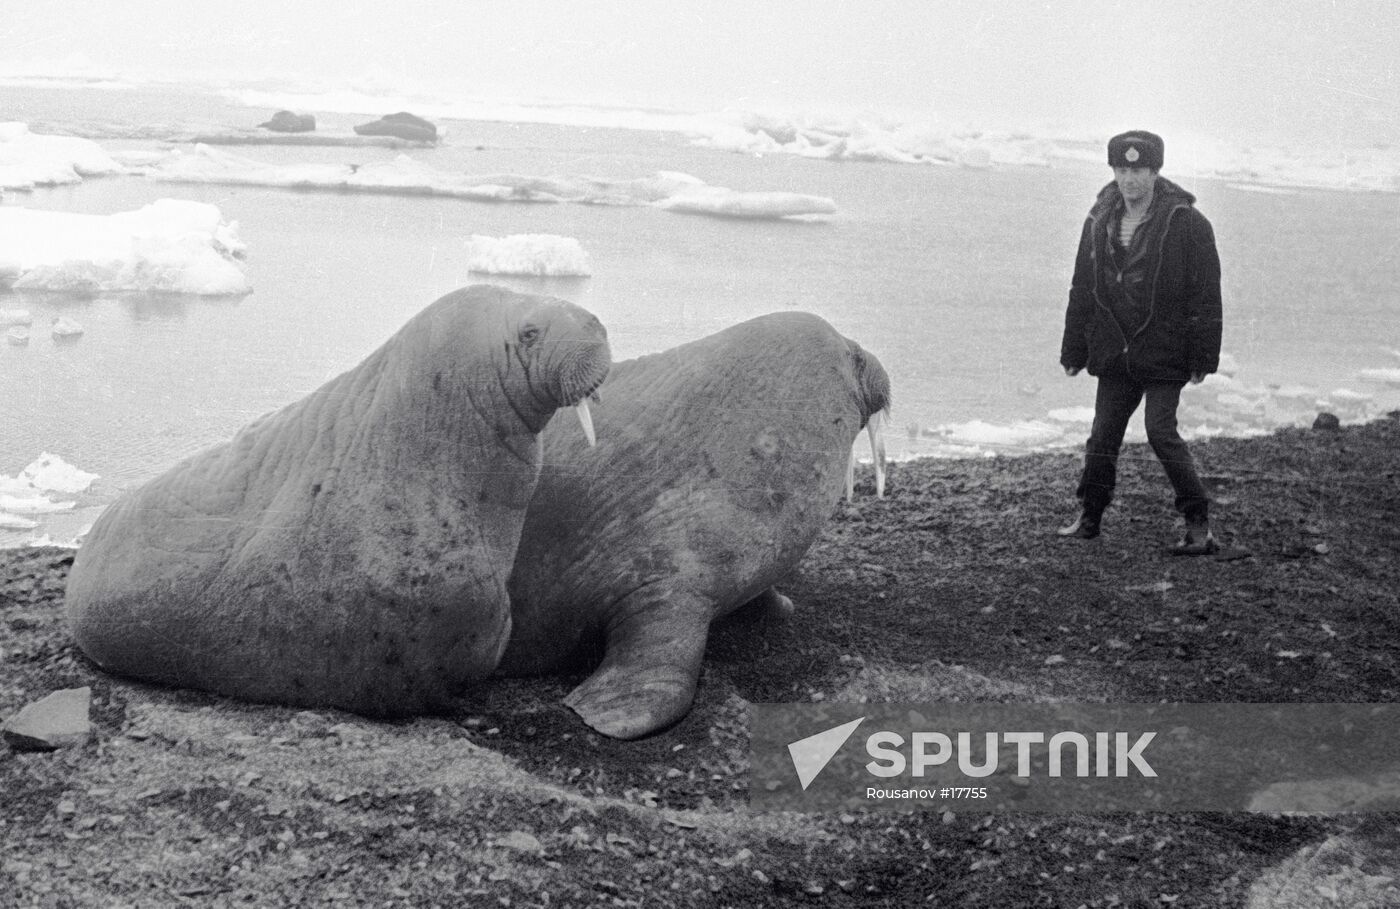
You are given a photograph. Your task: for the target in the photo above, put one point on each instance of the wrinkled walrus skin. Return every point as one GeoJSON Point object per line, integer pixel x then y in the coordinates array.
{"type": "Point", "coordinates": [350, 550]}
{"type": "Point", "coordinates": [717, 464]}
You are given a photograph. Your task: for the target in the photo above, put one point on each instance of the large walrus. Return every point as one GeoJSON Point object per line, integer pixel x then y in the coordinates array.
{"type": "Point", "coordinates": [350, 550]}
{"type": "Point", "coordinates": [718, 464]}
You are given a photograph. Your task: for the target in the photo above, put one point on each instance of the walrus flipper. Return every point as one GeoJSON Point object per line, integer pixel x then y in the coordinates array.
{"type": "Point", "coordinates": [647, 680]}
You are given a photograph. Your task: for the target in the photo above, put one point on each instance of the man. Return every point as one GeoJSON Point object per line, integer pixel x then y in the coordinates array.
{"type": "Point", "coordinates": [1144, 319]}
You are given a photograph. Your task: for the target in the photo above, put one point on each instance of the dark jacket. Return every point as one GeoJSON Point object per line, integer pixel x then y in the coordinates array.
{"type": "Point", "coordinates": [1171, 327]}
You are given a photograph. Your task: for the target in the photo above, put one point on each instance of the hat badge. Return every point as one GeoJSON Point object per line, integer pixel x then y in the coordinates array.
{"type": "Point", "coordinates": [1131, 155]}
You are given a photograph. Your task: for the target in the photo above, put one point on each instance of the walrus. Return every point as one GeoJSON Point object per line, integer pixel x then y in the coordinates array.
{"type": "Point", "coordinates": [285, 121]}
{"type": "Point", "coordinates": [350, 550]}
{"type": "Point", "coordinates": [402, 125]}
{"type": "Point", "coordinates": [718, 463]}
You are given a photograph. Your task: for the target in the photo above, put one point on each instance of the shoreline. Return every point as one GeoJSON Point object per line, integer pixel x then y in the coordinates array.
{"type": "Point", "coordinates": [862, 460]}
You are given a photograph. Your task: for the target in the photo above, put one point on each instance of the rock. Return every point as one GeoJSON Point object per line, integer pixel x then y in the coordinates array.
{"type": "Point", "coordinates": [56, 721]}
{"type": "Point", "coordinates": [403, 125]}
{"type": "Point", "coordinates": [284, 121]}
{"type": "Point", "coordinates": [1327, 421]}
{"type": "Point", "coordinates": [521, 841]}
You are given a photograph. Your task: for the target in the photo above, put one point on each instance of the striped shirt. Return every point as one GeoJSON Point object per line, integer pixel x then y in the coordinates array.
{"type": "Point", "coordinates": [1127, 227]}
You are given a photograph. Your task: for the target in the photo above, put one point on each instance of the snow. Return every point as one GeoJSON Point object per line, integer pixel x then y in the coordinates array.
{"type": "Point", "coordinates": [666, 189]}
{"type": "Point", "coordinates": [15, 317]}
{"type": "Point", "coordinates": [28, 160]}
{"type": "Point", "coordinates": [32, 491]}
{"type": "Point", "coordinates": [170, 245]}
{"type": "Point", "coordinates": [528, 254]}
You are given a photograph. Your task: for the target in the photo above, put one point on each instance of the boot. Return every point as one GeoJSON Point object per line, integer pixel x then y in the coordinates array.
{"type": "Point", "coordinates": [1198, 539]}
{"type": "Point", "coordinates": [1086, 527]}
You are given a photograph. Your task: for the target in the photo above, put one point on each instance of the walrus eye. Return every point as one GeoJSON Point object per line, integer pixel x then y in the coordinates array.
{"type": "Point", "coordinates": [529, 335]}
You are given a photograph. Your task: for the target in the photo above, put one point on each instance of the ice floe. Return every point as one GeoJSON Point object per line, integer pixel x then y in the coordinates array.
{"type": "Point", "coordinates": [32, 491]}
{"type": "Point", "coordinates": [673, 191]}
{"type": "Point", "coordinates": [64, 327]}
{"type": "Point", "coordinates": [170, 245]}
{"type": "Point", "coordinates": [28, 160]}
{"type": "Point", "coordinates": [1222, 405]}
{"type": "Point", "coordinates": [883, 137]}
{"type": "Point", "coordinates": [726, 203]}
{"type": "Point", "coordinates": [1387, 376]}
{"type": "Point", "coordinates": [528, 254]}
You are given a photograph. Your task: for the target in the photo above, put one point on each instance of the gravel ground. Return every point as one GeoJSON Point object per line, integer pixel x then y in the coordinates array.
{"type": "Point", "coordinates": [954, 587]}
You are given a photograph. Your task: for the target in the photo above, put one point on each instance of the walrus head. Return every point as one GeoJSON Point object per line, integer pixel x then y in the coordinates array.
{"type": "Point", "coordinates": [562, 352]}
{"type": "Point", "coordinates": [874, 405]}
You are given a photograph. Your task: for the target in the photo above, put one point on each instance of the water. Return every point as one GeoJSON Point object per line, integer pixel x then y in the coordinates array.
{"type": "Point", "coordinates": [955, 278]}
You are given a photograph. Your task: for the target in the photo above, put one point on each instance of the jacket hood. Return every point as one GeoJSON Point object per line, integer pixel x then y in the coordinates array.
{"type": "Point", "coordinates": [1164, 190]}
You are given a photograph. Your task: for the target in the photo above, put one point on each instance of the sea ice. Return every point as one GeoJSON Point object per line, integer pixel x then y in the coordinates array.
{"type": "Point", "coordinates": [527, 254]}
{"type": "Point", "coordinates": [727, 203]}
{"type": "Point", "coordinates": [670, 190]}
{"type": "Point", "coordinates": [1072, 415]}
{"type": "Point", "coordinates": [33, 490]}
{"type": "Point", "coordinates": [50, 473]}
{"type": "Point", "coordinates": [64, 327]}
{"type": "Point", "coordinates": [1387, 376]}
{"type": "Point", "coordinates": [1031, 433]}
{"type": "Point", "coordinates": [170, 245]}
{"type": "Point", "coordinates": [28, 160]}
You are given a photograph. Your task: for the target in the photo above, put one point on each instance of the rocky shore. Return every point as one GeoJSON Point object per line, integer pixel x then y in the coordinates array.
{"type": "Point", "coordinates": [954, 587]}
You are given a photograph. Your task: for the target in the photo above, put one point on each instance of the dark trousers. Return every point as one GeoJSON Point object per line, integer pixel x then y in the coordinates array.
{"type": "Point", "coordinates": [1114, 404]}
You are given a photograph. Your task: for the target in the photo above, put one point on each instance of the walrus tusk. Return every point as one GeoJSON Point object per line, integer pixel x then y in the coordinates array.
{"type": "Point", "coordinates": [585, 419]}
{"type": "Point", "coordinates": [875, 428]}
{"type": "Point", "coordinates": [851, 476]}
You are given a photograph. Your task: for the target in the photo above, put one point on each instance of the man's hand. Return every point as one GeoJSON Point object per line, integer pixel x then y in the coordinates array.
{"type": "Point", "coordinates": [1074, 371]}
{"type": "Point", "coordinates": [1197, 378]}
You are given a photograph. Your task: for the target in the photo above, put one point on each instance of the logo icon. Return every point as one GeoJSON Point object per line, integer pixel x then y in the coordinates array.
{"type": "Point", "coordinates": [1131, 155]}
{"type": "Point", "coordinates": [812, 754]}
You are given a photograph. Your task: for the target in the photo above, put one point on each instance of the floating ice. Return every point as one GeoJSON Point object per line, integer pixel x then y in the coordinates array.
{"type": "Point", "coordinates": [716, 200]}
{"type": "Point", "coordinates": [1388, 376]}
{"type": "Point", "coordinates": [15, 522]}
{"type": "Point", "coordinates": [403, 174]}
{"type": "Point", "coordinates": [28, 160]}
{"type": "Point", "coordinates": [1027, 434]}
{"type": "Point", "coordinates": [50, 473]}
{"type": "Point", "coordinates": [1263, 170]}
{"type": "Point", "coordinates": [32, 504]}
{"type": "Point", "coordinates": [33, 490]}
{"type": "Point", "coordinates": [527, 254]}
{"type": "Point", "coordinates": [64, 327]}
{"type": "Point", "coordinates": [15, 317]}
{"type": "Point", "coordinates": [1072, 415]}
{"type": "Point", "coordinates": [170, 245]}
